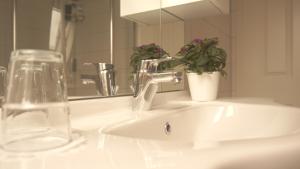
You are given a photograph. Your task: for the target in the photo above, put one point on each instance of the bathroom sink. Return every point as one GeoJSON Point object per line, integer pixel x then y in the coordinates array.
{"type": "Point", "coordinates": [221, 135]}
{"type": "Point", "coordinates": [205, 122]}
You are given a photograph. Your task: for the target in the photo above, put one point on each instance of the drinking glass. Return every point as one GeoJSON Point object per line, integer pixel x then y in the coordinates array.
{"type": "Point", "coordinates": [35, 113]}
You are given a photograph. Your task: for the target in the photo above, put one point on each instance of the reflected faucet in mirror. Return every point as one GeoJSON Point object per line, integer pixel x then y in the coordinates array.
{"type": "Point", "coordinates": [104, 80]}
{"type": "Point", "coordinates": [146, 82]}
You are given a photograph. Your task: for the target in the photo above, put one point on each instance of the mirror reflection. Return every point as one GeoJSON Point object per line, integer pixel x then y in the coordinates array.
{"type": "Point", "coordinates": [98, 38]}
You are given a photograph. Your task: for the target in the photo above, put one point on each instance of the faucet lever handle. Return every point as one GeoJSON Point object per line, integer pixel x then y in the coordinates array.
{"type": "Point", "coordinates": [150, 65]}
{"type": "Point", "coordinates": [167, 77]}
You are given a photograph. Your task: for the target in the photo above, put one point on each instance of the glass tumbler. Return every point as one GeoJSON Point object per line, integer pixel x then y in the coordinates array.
{"type": "Point", "coordinates": [35, 114]}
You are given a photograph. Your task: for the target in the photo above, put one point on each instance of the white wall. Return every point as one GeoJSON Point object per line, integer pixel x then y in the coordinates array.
{"type": "Point", "coordinates": [265, 49]}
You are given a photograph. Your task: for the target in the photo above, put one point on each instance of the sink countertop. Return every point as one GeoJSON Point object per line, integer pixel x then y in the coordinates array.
{"type": "Point", "coordinates": [116, 152]}
{"type": "Point", "coordinates": [87, 116]}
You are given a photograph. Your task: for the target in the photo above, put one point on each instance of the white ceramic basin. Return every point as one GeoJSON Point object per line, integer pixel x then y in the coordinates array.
{"type": "Point", "coordinates": [214, 123]}
{"type": "Point", "coordinates": [221, 135]}
{"type": "Point", "coordinates": [213, 136]}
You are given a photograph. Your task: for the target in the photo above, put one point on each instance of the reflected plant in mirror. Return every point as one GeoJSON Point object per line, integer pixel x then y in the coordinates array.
{"type": "Point", "coordinates": [146, 52]}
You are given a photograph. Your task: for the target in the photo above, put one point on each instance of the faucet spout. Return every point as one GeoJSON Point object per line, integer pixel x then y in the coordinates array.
{"type": "Point", "coordinates": [143, 100]}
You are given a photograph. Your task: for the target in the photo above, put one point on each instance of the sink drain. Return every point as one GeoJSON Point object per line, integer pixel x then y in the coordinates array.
{"type": "Point", "coordinates": [167, 128]}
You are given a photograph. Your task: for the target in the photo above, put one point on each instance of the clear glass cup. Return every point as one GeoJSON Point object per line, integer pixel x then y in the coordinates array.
{"type": "Point", "coordinates": [35, 114]}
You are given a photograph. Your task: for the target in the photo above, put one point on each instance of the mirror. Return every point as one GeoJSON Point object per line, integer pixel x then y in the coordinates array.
{"type": "Point", "coordinates": [172, 39]}
{"type": "Point", "coordinates": [96, 41]}
{"type": "Point", "coordinates": [86, 33]}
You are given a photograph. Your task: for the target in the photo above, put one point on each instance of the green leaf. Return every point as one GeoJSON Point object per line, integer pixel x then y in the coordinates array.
{"type": "Point", "coordinates": [203, 57]}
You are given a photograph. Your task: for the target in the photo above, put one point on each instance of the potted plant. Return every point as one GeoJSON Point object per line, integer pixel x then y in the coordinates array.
{"type": "Point", "coordinates": [203, 62]}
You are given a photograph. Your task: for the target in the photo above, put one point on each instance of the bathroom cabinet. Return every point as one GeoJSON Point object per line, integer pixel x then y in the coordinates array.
{"type": "Point", "coordinates": [142, 11]}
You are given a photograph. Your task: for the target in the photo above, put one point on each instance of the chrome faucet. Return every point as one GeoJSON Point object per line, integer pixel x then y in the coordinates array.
{"type": "Point", "coordinates": [146, 82]}
{"type": "Point", "coordinates": [104, 79]}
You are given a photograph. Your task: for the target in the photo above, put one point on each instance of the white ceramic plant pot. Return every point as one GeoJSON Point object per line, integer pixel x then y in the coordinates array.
{"type": "Point", "coordinates": [203, 87]}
